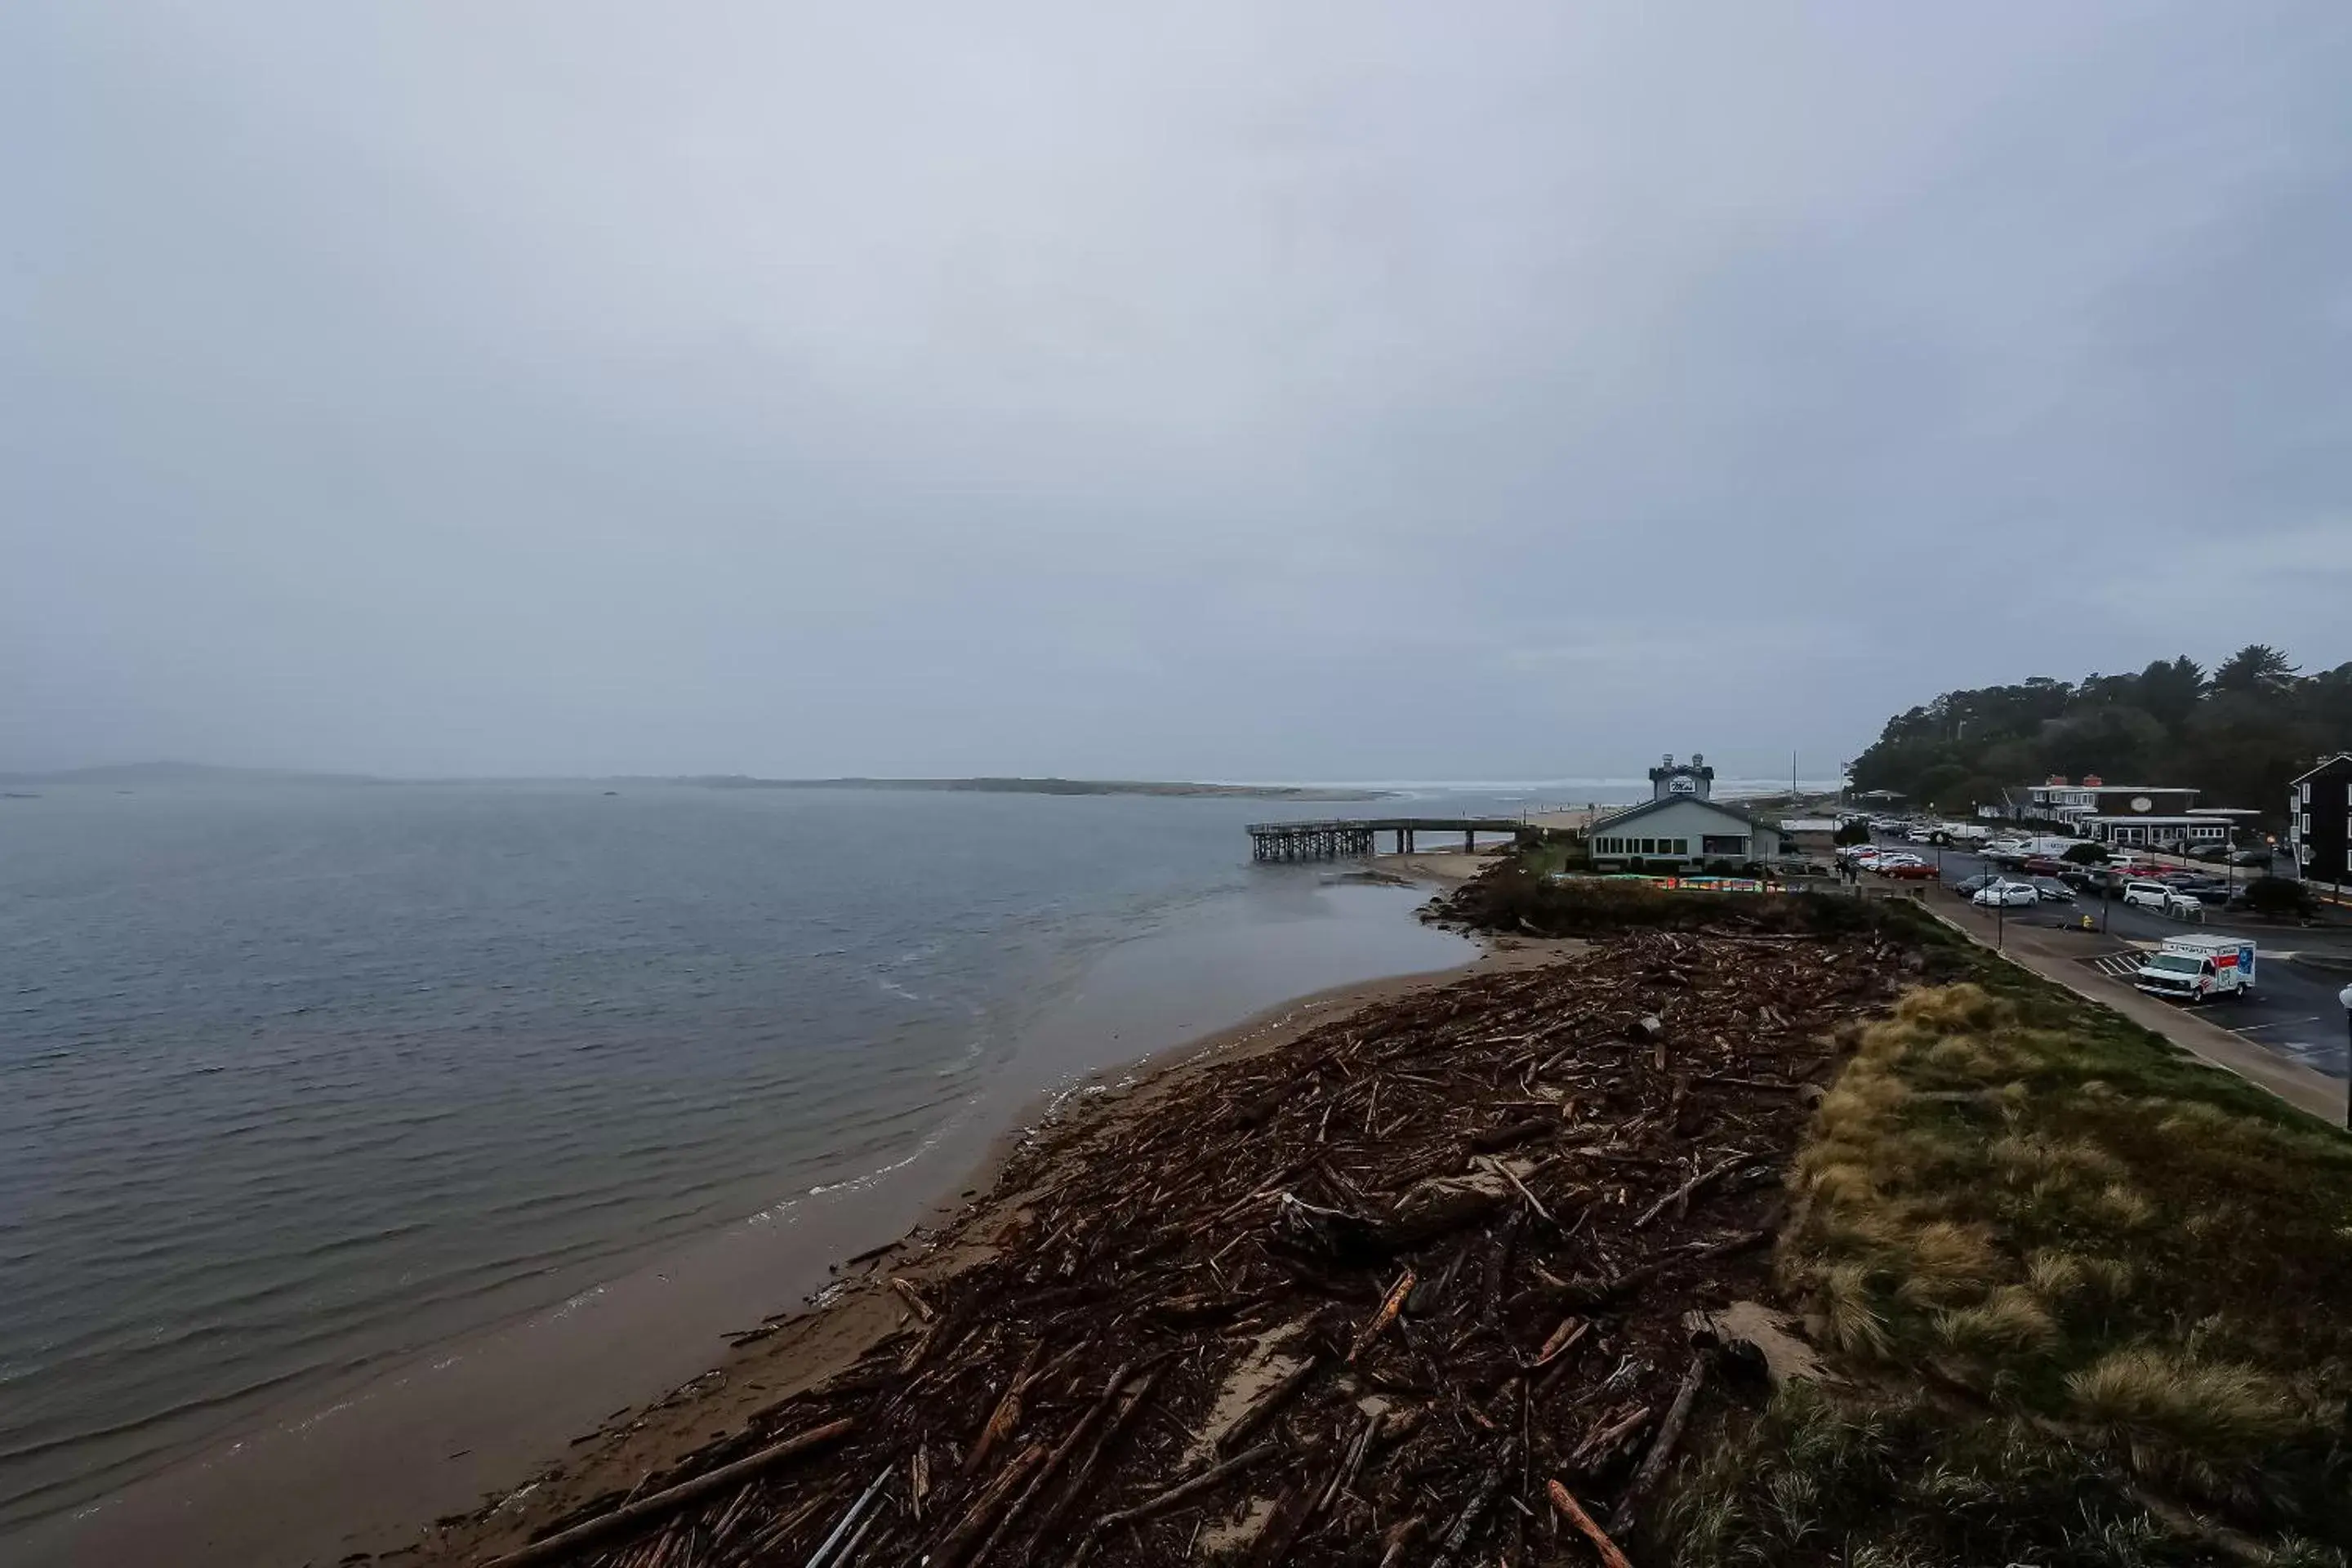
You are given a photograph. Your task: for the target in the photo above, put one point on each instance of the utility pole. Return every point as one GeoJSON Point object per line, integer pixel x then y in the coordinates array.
{"type": "Point", "coordinates": [2345, 997]}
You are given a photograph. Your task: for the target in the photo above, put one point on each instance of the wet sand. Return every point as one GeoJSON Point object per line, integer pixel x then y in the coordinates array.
{"type": "Point", "coordinates": [361, 1469]}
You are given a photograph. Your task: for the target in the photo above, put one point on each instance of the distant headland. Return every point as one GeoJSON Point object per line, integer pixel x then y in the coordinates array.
{"type": "Point", "coordinates": [160, 773]}
{"type": "Point", "coordinates": [1056, 786]}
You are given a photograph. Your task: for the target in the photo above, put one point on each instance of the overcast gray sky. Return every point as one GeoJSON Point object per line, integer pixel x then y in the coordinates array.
{"type": "Point", "coordinates": [1226, 390]}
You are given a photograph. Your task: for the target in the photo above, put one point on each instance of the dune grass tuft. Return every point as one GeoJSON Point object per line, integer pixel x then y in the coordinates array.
{"type": "Point", "coordinates": [2009, 1320]}
{"type": "Point", "coordinates": [2146, 1393]}
{"type": "Point", "coordinates": [1849, 1313]}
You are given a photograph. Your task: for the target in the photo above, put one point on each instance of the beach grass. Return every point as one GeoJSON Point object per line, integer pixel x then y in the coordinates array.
{"type": "Point", "coordinates": [2091, 1301]}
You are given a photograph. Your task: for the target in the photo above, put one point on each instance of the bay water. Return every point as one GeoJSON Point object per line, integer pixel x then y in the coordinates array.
{"type": "Point", "coordinates": [298, 1080]}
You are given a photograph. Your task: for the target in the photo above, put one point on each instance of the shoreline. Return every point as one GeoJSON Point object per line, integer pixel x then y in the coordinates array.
{"type": "Point", "coordinates": [795, 1350]}
{"type": "Point", "coordinates": [356, 1468]}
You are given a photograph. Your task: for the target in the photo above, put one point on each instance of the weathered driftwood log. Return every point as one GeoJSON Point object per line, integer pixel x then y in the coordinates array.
{"type": "Point", "coordinates": [1212, 1476]}
{"type": "Point", "coordinates": [565, 1542]}
{"type": "Point", "coordinates": [1465, 1524]}
{"type": "Point", "coordinates": [1661, 1447]}
{"type": "Point", "coordinates": [1256, 1417]}
{"type": "Point", "coordinates": [1565, 1500]}
{"type": "Point", "coordinates": [977, 1517]}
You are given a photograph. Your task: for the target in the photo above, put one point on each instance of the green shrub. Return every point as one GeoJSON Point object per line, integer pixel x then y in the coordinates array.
{"type": "Point", "coordinates": [2277, 896]}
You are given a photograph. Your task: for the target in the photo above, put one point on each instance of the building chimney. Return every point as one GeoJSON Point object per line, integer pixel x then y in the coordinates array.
{"type": "Point", "coordinates": [2092, 780]}
{"type": "Point", "coordinates": [2055, 781]}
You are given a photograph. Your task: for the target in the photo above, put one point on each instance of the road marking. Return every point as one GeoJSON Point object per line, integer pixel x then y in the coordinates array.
{"type": "Point", "coordinates": [2279, 1023]}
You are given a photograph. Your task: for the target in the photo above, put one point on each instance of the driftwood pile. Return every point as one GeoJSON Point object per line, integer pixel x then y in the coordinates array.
{"type": "Point", "coordinates": [1408, 1289]}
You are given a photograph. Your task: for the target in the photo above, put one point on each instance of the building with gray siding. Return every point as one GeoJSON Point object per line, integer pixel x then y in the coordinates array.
{"type": "Point", "coordinates": [1680, 823]}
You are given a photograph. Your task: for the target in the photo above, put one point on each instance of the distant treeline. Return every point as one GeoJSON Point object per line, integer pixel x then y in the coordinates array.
{"type": "Point", "coordinates": [2238, 734]}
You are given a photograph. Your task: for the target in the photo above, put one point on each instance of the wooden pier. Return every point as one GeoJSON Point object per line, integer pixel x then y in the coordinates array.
{"type": "Point", "coordinates": [1346, 840]}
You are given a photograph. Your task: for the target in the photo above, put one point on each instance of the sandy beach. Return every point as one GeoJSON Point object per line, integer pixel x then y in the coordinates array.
{"type": "Point", "coordinates": [799, 1348]}
{"type": "Point", "coordinates": [1205, 1248]}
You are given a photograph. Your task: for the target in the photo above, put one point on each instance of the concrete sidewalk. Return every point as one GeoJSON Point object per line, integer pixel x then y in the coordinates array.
{"type": "Point", "coordinates": [2056, 955]}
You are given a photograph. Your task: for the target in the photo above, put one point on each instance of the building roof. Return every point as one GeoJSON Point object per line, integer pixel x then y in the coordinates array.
{"type": "Point", "coordinates": [1630, 813]}
{"type": "Point", "coordinates": [2327, 765]}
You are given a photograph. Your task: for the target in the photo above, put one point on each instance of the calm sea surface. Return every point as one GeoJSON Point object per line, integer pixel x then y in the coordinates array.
{"type": "Point", "coordinates": [296, 1079]}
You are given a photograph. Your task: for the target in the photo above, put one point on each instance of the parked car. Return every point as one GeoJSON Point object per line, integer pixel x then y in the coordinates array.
{"type": "Point", "coordinates": [2163, 898]}
{"type": "Point", "coordinates": [2009, 895]}
{"type": "Point", "coordinates": [2209, 852]}
{"type": "Point", "coordinates": [1969, 887]}
{"type": "Point", "coordinates": [1910, 871]}
{"type": "Point", "coordinates": [2053, 892]}
{"type": "Point", "coordinates": [2252, 857]}
{"type": "Point", "coordinates": [2082, 879]}
{"type": "Point", "coordinates": [2044, 864]}
{"type": "Point", "coordinates": [2212, 895]}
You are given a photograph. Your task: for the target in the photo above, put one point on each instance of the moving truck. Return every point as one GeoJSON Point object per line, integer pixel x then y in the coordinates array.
{"type": "Point", "coordinates": [2199, 968]}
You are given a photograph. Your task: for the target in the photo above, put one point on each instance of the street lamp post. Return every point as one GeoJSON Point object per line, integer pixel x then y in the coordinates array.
{"type": "Point", "coordinates": [2345, 997]}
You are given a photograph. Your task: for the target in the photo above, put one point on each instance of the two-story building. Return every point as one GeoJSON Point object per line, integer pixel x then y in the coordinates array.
{"type": "Point", "coordinates": [2056, 799]}
{"type": "Point", "coordinates": [2319, 820]}
{"type": "Point", "coordinates": [1679, 823]}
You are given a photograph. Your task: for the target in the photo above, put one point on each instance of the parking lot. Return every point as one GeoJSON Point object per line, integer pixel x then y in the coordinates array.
{"type": "Point", "coordinates": [2294, 1011]}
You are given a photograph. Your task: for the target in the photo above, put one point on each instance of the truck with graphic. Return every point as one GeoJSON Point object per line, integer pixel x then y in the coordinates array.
{"type": "Point", "coordinates": [2194, 969]}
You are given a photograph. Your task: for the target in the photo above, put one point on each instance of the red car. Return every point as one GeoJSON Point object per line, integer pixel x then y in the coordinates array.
{"type": "Point", "coordinates": [2044, 864]}
{"type": "Point", "coordinates": [1921, 872]}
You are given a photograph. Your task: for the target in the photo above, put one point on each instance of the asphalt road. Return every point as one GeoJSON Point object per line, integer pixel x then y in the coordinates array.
{"type": "Point", "coordinates": [2294, 1010]}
